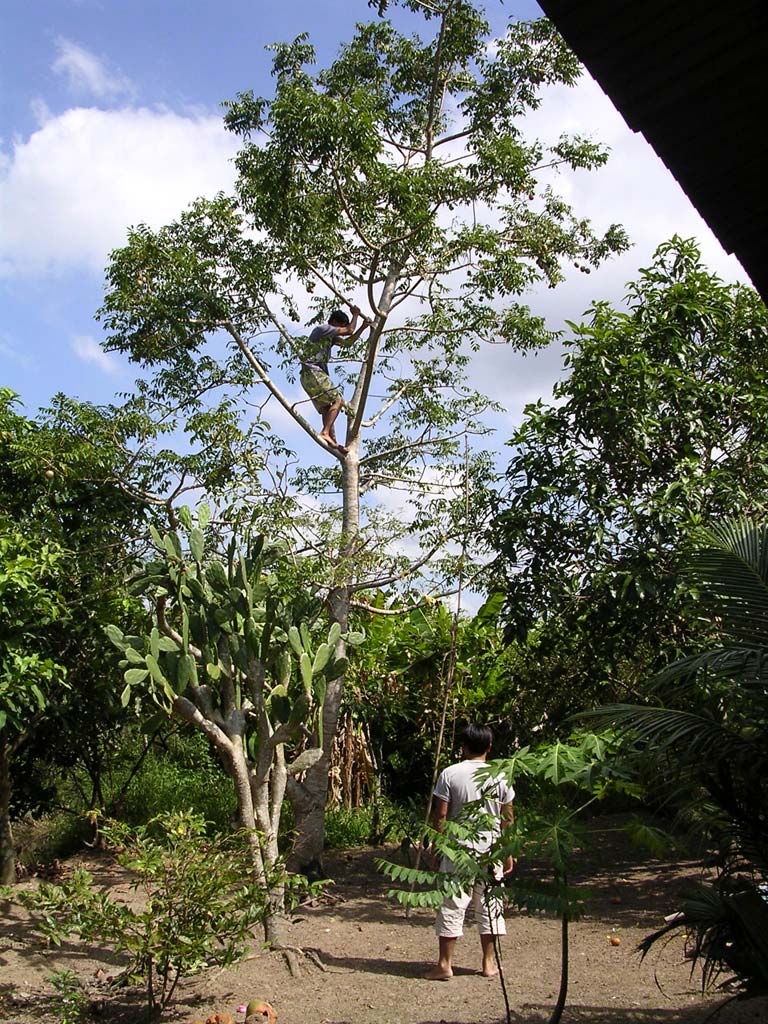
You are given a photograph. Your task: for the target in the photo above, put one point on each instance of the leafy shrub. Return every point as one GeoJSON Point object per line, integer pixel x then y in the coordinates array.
{"type": "Point", "coordinates": [70, 1002]}
{"type": "Point", "coordinates": [166, 786]}
{"type": "Point", "coordinates": [177, 773]}
{"type": "Point", "coordinates": [200, 906]}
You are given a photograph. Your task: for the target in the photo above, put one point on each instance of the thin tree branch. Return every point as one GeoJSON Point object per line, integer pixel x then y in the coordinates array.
{"type": "Point", "coordinates": [387, 405]}
{"type": "Point", "coordinates": [425, 602]}
{"type": "Point", "coordinates": [348, 210]}
{"type": "Point", "coordinates": [432, 109]}
{"type": "Point", "coordinates": [421, 443]}
{"type": "Point", "coordinates": [185, 709]}
{"type": "Point", "coordinates": [385, 581]}
{"type": "Point", "coordinates": [168, 630]}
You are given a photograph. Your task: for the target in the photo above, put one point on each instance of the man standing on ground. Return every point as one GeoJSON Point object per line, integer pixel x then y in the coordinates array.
{"type": "Point", "coordinates": [456, 787]}
{"type": "Point", "coordinates": [315, 380]}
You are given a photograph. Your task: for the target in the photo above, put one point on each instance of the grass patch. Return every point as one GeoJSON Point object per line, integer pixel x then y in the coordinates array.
{"type": "Point", "coordinates": [50, 837]}
{"type": "Point", "coordinates": [374, 825]}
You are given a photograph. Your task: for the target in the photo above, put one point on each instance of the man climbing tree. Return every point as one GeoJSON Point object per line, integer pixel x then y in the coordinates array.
{"type": "Point", "coordinates": [399, 171]}
{"type": "Point", "coordinates": [314, 369]}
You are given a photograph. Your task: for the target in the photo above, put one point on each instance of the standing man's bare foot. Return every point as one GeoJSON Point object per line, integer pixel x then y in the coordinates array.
{"type": "Point", "coordinates": [438, 974]}
{"type": "Point", "coordinates": [490, 972]}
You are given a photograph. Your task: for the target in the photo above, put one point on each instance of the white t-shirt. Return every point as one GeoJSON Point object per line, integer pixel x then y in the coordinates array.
{"type": "Point", "coordinates": [458, 786]}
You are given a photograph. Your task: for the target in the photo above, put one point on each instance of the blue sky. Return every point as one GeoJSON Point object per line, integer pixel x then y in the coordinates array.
{"type": "Point", "coordinates": [110, 115]}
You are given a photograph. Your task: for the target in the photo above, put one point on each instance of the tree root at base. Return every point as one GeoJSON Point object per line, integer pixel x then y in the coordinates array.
{"type": "Point", "coordinates": [294, 957]}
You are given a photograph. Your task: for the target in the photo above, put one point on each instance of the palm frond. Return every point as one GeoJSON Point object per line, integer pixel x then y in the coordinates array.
{"type": "Point", "coordinates": [729, 934]}
{"type": "Point", "coordinates": [662, 729]}
{"type": "Point", "coordinates": [732, 567]}
{"type": "Point", "coordinates": [742, 666]}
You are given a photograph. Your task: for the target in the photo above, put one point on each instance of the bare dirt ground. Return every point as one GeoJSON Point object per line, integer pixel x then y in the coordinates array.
{"type": "Point", "coordinates": [374, 958]}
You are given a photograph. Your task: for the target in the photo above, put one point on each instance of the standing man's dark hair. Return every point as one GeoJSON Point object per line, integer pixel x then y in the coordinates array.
{"type": "Point", "coordinates": [478, 739]}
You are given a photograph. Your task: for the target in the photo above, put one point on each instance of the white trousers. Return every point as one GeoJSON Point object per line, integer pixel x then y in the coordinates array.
{"type": "Point", "coordinates": [488, 913]}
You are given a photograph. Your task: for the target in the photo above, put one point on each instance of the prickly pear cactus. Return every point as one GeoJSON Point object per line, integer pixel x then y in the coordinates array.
{"type": "Point", "coordinates": [223, 641]}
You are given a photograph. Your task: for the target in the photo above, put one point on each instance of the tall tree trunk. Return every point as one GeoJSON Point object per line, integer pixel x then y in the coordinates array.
{"type": "Point", "coordinates": [7, 847]}
{"type": "Point", "coordinates": [310, 797]}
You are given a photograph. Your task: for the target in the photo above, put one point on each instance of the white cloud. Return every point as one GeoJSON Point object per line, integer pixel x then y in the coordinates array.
{"type": "Point", "coordinates": [88, 350]}
{"type": "Point", "coordinates": [86, 73]}
{"type": "Point", "coordinates": [11, 354]}
{"type": "Point", "coordinates": [634, 188]}
{"type": "Point", "coordinates": [69, 191]}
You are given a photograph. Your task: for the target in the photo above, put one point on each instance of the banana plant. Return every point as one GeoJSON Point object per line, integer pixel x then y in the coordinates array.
{"type": "Point", "coordinates": [227, 653]}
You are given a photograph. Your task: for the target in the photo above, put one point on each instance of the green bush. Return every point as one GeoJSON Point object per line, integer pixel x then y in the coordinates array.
{"type": "Point", "coordinates": [200, 903]}
{"type": "Point", "coordinates": [178, 773]}
{"type": "Point", "coordinates": [70, 1002]}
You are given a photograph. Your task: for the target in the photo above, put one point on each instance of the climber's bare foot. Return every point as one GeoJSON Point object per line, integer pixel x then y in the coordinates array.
{"type": "Point", "coordinates": [333, 443]}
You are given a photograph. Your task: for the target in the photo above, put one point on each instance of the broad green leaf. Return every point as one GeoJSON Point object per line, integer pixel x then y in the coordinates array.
{"type": "Point", "coordinates": [322, 657]}
{"type": "Point", "coordinates": [306, 671]}
{"type": "Point", "coordinates": [197, 544]}
{"type": "Point", "coordinates": [184, 516]}
{"type": "Point", "coordinates": [295, 640]}
{"type": "Point", "coordinates": [115, 636]}
{"type": "Point", "coordinates": [134, 676]}
{"type": "Point", "coordinates": [154, 670]}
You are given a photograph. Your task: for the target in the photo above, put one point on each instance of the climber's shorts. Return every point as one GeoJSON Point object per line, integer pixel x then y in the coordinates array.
{"type": "Point", "coordinates": [319, 387]}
